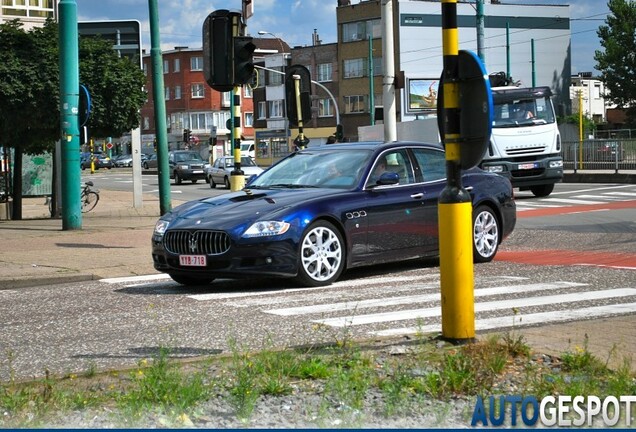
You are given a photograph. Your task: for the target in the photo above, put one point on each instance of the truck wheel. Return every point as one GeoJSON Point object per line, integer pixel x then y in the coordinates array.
{"type": "Point", "coordinates": [542, 190]}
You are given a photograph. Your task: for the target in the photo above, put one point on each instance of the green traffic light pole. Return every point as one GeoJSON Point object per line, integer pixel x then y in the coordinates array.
{"type": "Point", "coordinates": [69, 109]}
{"type": "Point", "coordinates": [163, 173]}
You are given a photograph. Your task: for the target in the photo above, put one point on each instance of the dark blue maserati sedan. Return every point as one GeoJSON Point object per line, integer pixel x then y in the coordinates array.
{"type": "Point", "coordinates": [326, 209]}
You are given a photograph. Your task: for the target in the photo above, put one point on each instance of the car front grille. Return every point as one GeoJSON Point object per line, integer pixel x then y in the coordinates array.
{"type": "Point", "coordinates": [196, 166]}
{"type": "Point", "coordinates": [183, 242]}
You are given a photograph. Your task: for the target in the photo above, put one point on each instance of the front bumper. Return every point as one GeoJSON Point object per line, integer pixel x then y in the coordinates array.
{"type": "Point", "coordinates": [256, 257]}
{"type": "Point", "coordinates": [528, 173]}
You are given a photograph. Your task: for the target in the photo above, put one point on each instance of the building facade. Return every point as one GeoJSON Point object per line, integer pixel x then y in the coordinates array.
{"type": "Point", "coordinates": [588, 96]}
{"type": "Point", "coordinates": [32, 13]}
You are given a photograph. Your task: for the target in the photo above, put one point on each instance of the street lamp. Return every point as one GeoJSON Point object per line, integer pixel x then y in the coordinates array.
{"type": "Point", "coordinates": [264, 32]}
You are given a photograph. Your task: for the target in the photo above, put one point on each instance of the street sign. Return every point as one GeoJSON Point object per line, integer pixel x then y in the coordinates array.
{"type": "Point", "coordinates": [109, 146]}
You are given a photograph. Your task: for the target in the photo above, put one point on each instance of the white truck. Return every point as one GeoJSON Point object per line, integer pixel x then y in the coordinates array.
{"type": "Point", "coordinates": [525, 144]}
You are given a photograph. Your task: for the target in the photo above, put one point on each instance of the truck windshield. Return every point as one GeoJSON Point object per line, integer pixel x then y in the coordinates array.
{"type": "Point", "coordinates": [522, 112]}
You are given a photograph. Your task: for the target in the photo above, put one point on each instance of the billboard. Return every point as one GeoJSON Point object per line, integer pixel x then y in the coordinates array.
{"type": "Point", "coordinates": [422, 94]}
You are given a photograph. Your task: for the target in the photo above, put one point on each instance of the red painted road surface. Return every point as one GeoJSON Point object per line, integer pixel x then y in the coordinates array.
{"type": "Point", "coordinates": [571, 257]}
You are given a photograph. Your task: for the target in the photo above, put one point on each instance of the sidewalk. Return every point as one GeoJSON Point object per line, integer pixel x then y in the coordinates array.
{"type": "Point", "coordinates": [115, 242]}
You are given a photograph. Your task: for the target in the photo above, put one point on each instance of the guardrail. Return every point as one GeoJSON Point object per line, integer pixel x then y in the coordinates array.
{"type": "Point", "coordinates": [600, 154]}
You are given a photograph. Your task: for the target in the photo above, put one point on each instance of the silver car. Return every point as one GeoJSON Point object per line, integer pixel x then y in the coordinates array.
{"type": "Point", "coordinates": [220, 171]}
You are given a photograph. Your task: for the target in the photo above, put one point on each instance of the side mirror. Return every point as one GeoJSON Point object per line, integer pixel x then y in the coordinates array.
{"type": "Point", "coordinates": [388, 178]}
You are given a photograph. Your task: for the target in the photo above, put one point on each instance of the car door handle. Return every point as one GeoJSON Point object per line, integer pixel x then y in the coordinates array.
{"type": "Point", "coordinates": [469, 188]}
{"type": "Point", "coordinates": [417, 195]}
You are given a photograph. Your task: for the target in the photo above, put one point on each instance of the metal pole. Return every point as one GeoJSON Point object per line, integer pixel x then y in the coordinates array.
{"type": "Point", "coordinates": [580, 97]}
{"type": "Point", "coordinates": [534, 72]}
{"type": "Point", "coordinates": [237, 176]}
{"type": "Point", "coordinates": [69, 108]}
{"type": "Point", "coordinates": [455, 207]}
{"type": "Point", "coordinates": [480, 31]}
{"type": "Point", "coordinates": [163, 170]}
{"type": "Point", "coordinates": [371, 83]}
{"type": "Point", "coordinates": [508, 50]}
{"type": "Point", "coordinates": [388, 83]}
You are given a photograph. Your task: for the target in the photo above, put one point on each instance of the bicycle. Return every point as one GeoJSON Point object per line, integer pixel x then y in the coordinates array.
{"type": "Point", "coordinates": [89, 197]}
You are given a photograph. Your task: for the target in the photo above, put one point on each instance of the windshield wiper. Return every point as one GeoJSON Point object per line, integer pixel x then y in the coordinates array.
{"type": "Point", "coordinates": [290, 186]}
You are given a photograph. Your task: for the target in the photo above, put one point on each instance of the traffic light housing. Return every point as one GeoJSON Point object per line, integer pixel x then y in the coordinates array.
{"type": "Point", "coordinates": [339, 133]}
{"type": "Point", "coordinates": [217, 49]}
{"type": "Point", "coordinates": [243, 59]}
{"type": "Point", "coordinates": [290, 94]}
{"type": "Point", "coordinates": [154, 144]}
{"type": "Point", "coordinates": [186, 135]}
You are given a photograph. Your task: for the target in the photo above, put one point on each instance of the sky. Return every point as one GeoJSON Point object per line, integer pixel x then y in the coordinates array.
{"type": "Point", "coordinates": [294, 21]}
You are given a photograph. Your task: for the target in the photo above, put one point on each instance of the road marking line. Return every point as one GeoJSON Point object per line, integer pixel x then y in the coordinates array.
{"type": "Point", "coordinates": [629, 194]}
{"type": "Point", "coordinates": [521, 320]}
{"type": "Point", "coordinates": [603, 197]}
{"type": "Point", "coordinates": [479, 307]}
{"type": "Point", "coordinates": [421, 298]}
{"type": "Point", "coordinates": [572, 201]}
{"type": "Point", "coordinates": [144, 278]}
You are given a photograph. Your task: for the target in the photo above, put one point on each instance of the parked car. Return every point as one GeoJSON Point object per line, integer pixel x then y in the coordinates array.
{"type": "Point", "coordinates": [186, 165]}
{"type": "Point", "coordinates": [100, 160]}
{"type": "Point", "coordinates": [319, 211]}
{"type": "Point", "coordinates": [150, 162]}
{"type": "Point", "coordinates": [220, 171]}
{"type": "Point", "coordinates": [247, 149]}
{"type": "Point", "coordinates": [123, 160]}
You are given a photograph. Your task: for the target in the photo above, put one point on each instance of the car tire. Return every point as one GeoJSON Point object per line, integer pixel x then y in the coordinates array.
{"type": "Point", "coordinates": [191, 280]}
{"type": "Point", "coordinates": [542, 190]}
{"type": "Point", "coordinates": [486, 233]}
{"type": "Point", "coordinates": [212, 184]}
{"type": "Point", "coordinates": [226, 181]}
{"type": "Point", "coordinates": [177, 178]}
{"type": "Point", "coordinates": [194, 181]}
{"type": "Point", "coordinates": [322, 256]}
{"type": "Point", "coordinates": [145, 165]}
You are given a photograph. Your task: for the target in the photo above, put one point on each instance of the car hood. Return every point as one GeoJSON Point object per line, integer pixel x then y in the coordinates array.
{"type": "Point", "coordinates": [238, 210]}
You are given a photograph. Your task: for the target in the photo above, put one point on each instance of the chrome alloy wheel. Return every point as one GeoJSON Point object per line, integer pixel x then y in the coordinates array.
{"type": "Point", "coordinates": [485, 234]}
{"type": "Point", "coordinates": [321, 255]}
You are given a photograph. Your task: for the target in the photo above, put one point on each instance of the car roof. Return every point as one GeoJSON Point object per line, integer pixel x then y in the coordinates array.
{"type": "Point", "coordinates": [375, 145]}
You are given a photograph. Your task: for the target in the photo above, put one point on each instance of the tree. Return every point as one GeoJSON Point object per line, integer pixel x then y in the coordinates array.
{"type": "Point", "coordinates": [617, 62]}
{"type": "Point", "coordinates": [29, 92]}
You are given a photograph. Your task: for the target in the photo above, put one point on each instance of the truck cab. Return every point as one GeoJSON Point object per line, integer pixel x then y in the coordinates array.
{"type": "Point", "coordinates": [525, 144]}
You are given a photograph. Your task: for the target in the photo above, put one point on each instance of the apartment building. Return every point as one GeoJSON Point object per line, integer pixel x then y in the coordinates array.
{"type": "Point", "coordinates": [32, 13]}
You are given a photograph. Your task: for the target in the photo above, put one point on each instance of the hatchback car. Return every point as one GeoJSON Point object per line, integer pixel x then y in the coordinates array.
{"type": "Point", "coordinates": [221, 170]}
{"type": "Point", "coordinates": [124, 160]}
{"type": "Point", "coordinates": [149, 162]}
{"type": "Point", "coordinates": [321, 211]}
{"type": "Point", "coordinates": [99, 160]}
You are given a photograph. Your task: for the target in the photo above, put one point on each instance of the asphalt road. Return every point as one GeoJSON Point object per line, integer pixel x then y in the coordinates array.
{"type": "Point", "coordinates": [115, 323]}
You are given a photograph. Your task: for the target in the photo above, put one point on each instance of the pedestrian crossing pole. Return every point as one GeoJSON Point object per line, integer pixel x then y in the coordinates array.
{"type": "Point", "coordinates": [455, 207]}
{"type": "Point", "coordinates": [237, 177]}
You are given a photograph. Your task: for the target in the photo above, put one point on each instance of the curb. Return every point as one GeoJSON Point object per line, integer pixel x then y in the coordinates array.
{"type": "Point", "coordinates": [14, 283]}
{"type": "Point", "coordinates": [599, 178]}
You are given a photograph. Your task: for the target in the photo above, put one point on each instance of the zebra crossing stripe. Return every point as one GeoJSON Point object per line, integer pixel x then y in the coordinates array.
{"type": "Point", "coordinates": [629, 194]}
{"type": "Point", "coordinates": [522, 320]}
{"type": "Point", "coordinates": [144, 278]}
{"type": "Point", "coordinates": [420, 298]}
{"type": "Point", "coordinates": [603, 197]}
{"type": "Point", "coordinates": [572, 201]}
{"type": "Point", "coordinates": [479, 307]}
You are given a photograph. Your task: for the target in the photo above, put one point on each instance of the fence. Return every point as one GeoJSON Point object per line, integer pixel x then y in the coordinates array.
{"type": "Point", "coordinates": [600, 154]}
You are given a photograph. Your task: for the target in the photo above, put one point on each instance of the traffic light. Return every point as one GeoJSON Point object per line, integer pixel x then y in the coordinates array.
{"type": "Point", "coordinates": [186, 135]}
{"type": "Point", "coordinates": [290, 94]}
{"type": "Point", "coordinates": [339, 133]}
{"type": "Point", "coordinates": [154, 144]}
{"type": "Point", "coordinates": [243, 61]}
{"type": "Point", "coordinates": [217, 49]}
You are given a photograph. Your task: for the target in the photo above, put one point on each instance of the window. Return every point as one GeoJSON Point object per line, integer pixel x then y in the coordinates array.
{"type": "Point", "coordinates": [377, 66]}
{"type": "Point", "coordinates": [275, 108]}
{"type": "Point", "coordinates": [167, 93]}
{"type": "Point", "coordinates": [166, 66]}
{"type": "Point", "coordinates": [357, 31]}
{"type": "Point", "coordinates": [354, 68]}
{"type": "Point", "coordinates": [196, 63]}
{"type": "Point", "coordinates": [354, 104]}
{"type": "Point", "coordinates": [432, 164]}
{"type": "Point", "coordinates": [249, 119]}
{"type": "Point", "coordinates": [247, 91]}
{"type": "Point", "coordinates": [262, 110]}
{"type": "Point", "coordinates": [227, 98]}
{"type": "Point", "coordinates": [177, 92]}
{"type": "Point", "coordinates": [324, 71]}
{"type": "Point", "coordinates": [198, 90]}
{"type": "Point", "coordinates": [220, 118]}
{"type": "Point", "coordinates": [177, 65]}
{"type": "Point", "coordinates": [197, 121]}
{"type": "Point", "coordinates": [275, 78]}
{"type": "Point", "coordinates": [325, 108]}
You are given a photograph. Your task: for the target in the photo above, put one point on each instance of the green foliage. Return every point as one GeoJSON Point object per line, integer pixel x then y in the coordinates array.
{"type": "Point", "coordinates": [30, 87]}
{"type": "Point", "coordinates": [616, 61]}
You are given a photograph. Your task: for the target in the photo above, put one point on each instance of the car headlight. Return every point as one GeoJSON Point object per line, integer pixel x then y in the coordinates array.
{"type": "Point", "coordinates": [556, 164]}
{"type": "Point", "coordinates": [266, 228]}
{"type": "Point", "coordinates": [184, 167]}
{"type": "Point", "coordinates": [161, 226]}
{"type": "Point", "coordinates": [495, 168]}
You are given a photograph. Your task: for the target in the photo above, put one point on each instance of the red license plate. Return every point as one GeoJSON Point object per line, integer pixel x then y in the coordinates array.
{"type": "Point", "coordinates": [193, 260]}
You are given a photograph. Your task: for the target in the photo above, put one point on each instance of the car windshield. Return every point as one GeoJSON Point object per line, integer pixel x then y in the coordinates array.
{"type": "Point", "coordinates": [246, 161]}
{"type": "Point", "coordinates": [182, 157]}
{"type": "Point", "coordinates": [337, 168]}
